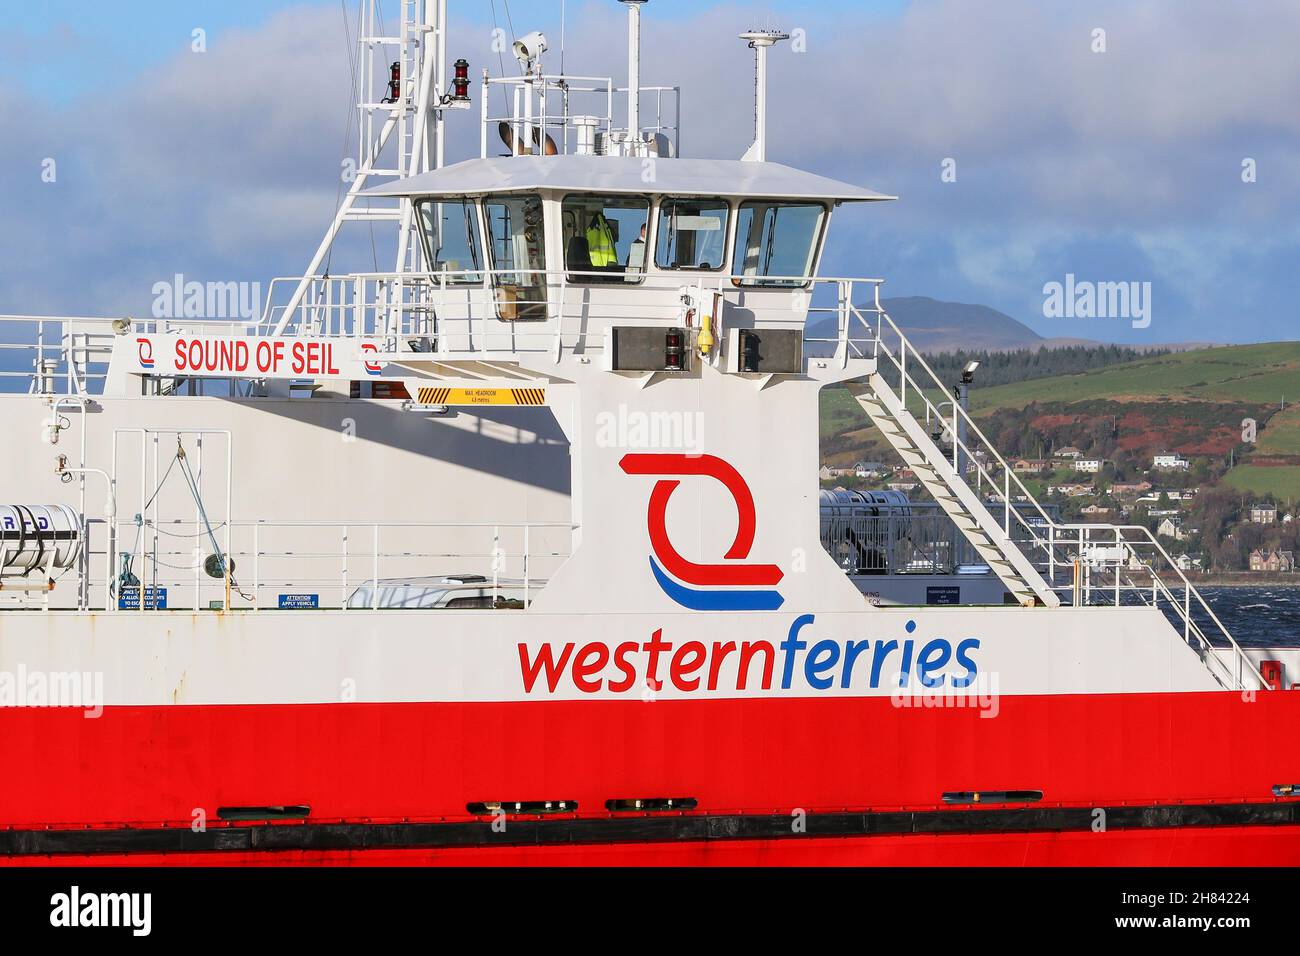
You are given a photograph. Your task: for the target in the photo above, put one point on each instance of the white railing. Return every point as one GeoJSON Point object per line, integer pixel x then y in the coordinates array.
{"type": "Point", "coordinates": [551, 101]}
{"type": "Point", "coordinates": [69, 355]}
{"type": "Point", "coordinates": [918, 537]}
{"type": "Point", "coordinates": [1140, 565]}
{"type": "Point", "coordinates": [522, 310]}
{"type": "Point", "coordinates": [451, 313]}
{"type": "Point", "coordinates": [54, 355]}
{"type": "Point", "coordinates": [333, 562]}
{"type": "Point", "coordinates": [472, 313]}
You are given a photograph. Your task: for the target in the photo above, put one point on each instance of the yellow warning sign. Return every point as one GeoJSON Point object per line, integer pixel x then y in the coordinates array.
{"type": "Point", "coordinates": [482, 396]}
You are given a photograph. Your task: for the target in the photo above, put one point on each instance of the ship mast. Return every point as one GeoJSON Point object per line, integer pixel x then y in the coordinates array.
{"type": "Point", "coordinates": [760, 41]}
{"type": "Point", "coordinates": [400, 104]}
{"type": "Point", "coordinates": [633, 72]}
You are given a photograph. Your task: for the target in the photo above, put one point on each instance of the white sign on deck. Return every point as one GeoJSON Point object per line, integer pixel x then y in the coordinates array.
{"type": "Point", "coordinates": [273, 357]}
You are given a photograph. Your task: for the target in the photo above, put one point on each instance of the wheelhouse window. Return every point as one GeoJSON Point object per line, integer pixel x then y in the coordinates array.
{"type": "Point", "coordinates": [605, 237]}
{"type": "Point", "coordinates": [692, 234]}
{"type": "Point", "coordinates": [776, 241]}
{"type": "Point", "coordinates": [517, 246]}
{"type": "Point", "coordinates": [449, 229]}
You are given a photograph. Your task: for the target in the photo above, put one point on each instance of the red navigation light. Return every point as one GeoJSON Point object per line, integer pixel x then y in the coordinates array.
{"type": "Point", "coordinates": [460, 81]}
{"type": "Point", "coordinates": [674, 350]}
{"type": "Point", "coordinates": [394, 83]}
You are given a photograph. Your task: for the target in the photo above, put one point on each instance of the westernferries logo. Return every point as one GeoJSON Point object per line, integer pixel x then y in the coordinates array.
{"type": "Point", "coordinates": [904, 664]}
{"type": "Point", "coordinates": [735, 586]}
{"type": "Point", "coordinates": [804, 661]}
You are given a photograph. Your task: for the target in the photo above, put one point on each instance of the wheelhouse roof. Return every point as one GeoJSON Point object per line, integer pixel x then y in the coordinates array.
{"type": "Point", "coordinates": [610, 174]}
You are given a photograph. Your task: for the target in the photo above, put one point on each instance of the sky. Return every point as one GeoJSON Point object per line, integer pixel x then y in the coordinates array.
{"type": "Point", "coordinates": [1025, 145]}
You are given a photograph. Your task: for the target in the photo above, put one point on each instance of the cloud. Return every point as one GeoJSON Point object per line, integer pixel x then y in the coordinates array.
{"type": "Point", "coordinates": [1122, 165]}
{"type": "Point", "coordinates": [216, 164]}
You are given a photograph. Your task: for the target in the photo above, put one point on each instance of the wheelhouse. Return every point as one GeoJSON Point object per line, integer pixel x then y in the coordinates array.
{"type": "Point", "coordinates": [549, 238]}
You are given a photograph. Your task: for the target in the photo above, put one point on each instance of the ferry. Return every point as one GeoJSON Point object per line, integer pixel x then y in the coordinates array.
{"type": "Point", "coordinates": [515, 554]}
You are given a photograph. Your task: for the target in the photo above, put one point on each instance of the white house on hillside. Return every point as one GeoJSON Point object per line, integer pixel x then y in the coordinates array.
{"type": "Point", "coordinates": [1171, 528]}
{"type": "Point", "coordinates": [870, 469]}
{"type": "Point", "coordinates": [1263, 514]}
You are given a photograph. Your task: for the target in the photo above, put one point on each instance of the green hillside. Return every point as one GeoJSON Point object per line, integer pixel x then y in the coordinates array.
{"type": "Point", "coordinates": [1263, 374]}
{"type": "Point", "coordinates": [1282, 437]}
{"type": "Point", "coordinates": [1283, 483]}
{"type": "Point", "coordinates": [840, 412]}
{"type": "Point", "coordinates": [1191, 402]}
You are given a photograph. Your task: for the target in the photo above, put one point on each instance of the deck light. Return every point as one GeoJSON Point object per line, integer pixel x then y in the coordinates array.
{"type": "Point", "coordinates": [424, 408]}
{"type": "Point", "coordinates": [529, 48]}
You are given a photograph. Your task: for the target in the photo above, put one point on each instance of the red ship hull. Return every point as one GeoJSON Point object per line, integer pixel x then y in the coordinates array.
{"type": "Point", "coordinates": [145, 770]}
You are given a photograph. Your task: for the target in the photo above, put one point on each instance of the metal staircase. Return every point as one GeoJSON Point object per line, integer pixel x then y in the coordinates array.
{"type": "Point", "coordinates": [939, 476]}
{"type": "Point", "coordinates": [1042, 561]}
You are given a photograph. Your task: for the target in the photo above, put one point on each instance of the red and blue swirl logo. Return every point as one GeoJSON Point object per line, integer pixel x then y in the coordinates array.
{"type": "Point", "coordinates": [732, 586]}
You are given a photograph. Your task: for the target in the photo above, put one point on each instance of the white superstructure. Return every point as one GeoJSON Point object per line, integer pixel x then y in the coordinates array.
{"type": "Point", "coordinates": [468, 412]}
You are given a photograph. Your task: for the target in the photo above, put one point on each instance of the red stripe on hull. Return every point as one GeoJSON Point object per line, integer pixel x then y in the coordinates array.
{"type": "Point", "coordinates": [375, 762]}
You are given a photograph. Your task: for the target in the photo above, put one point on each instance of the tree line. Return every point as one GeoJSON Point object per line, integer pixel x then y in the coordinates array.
{"type": "Point", "coordinates": [1004, 368]}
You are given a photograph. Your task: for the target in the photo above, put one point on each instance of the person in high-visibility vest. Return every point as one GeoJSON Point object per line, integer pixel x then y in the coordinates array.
{"type": "Point", "coordinates": [600, 242]}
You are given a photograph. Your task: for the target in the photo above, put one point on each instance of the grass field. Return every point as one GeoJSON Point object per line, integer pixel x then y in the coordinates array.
{"type": "Point", "coordinates": [1263, 374]}
{"type": "Point", "coordinates": [840, 412]}
{"type": "Point", "coordinates": [843, 420]}
{"type": "Point", "coordinates": [1281, 482]}
{"type": "Point", "coordinates": [1282, 436]}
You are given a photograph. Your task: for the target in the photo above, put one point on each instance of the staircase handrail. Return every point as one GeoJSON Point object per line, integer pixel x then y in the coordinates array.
{"type": "Point", "coordinates": [1009, 477]}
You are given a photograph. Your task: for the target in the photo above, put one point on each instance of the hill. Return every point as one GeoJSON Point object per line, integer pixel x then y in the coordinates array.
{"type": "Point", "coordinates": [1266, 374]}
{"type": "Point", "coordinates": [934, 326]}
{"type": "Point", "coordinates": [1193, 403]}
{"type": "Point", "coordinates": [1282, 437]}
{"type": "Point", "coordinates": [1274, 467]}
